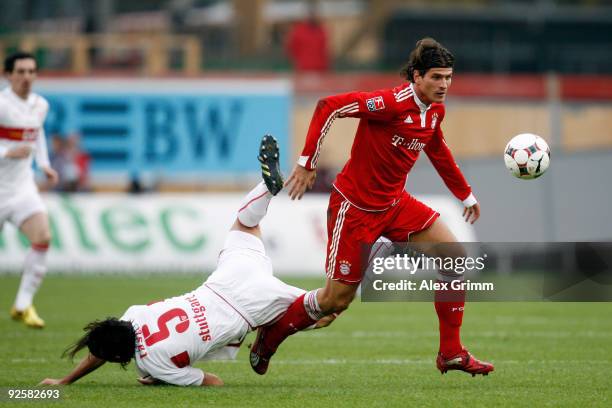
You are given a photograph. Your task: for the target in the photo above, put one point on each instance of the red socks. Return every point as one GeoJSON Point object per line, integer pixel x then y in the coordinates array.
{"type": "Point", "coordinates": [294, 320]}
{"type": "Point", "coordinates": [449, 306]}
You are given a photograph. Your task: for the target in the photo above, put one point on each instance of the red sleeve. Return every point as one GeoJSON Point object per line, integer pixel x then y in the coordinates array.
{"type": "Point", "coordinates": [441, 157]}
{"type": "Point", "coordinates": [378, 105]}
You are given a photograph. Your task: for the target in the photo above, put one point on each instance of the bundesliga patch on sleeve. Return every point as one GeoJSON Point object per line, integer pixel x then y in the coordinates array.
{"type": "Point", "coordinates": [375, 103]}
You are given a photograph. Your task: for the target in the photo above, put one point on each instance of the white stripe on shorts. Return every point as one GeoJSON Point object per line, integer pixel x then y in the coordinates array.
{"type": "Point", "coordinates": [333, 251]}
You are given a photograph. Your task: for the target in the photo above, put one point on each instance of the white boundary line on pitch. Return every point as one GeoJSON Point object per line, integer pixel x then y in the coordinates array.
{"type": "Point", "coordinates": [386, 361]}
{"type": "Point", "coordinates": [426, 361]}
{"type": "Point", "coordinates": [494, 334]}
{"type": "Point", "coordinates": [393, 361]}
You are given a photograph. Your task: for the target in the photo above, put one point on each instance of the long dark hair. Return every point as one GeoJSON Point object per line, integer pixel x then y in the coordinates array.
{"type": "Point", "coordinates": [427, 54]}
{"type": "Point", "coordinates": [111, 340]}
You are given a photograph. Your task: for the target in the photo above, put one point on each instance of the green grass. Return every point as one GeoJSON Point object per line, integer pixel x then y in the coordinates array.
{"type": "Point", "coordinates": [376, 354]}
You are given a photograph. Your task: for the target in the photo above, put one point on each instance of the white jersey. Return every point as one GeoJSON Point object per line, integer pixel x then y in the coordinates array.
{"type": "Point", "coordinates": [21, 122]}
{"type": "Point", "coordinates": [174, 333]}
{"type": "Point", "coordinates": [210, 322]}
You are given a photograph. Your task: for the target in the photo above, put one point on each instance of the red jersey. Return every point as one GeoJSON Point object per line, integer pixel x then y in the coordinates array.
{"type": "Point", "coordinates": [394, 127]}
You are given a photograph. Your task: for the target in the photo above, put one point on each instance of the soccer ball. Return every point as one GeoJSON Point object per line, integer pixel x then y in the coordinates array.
{"type": "Point", "coordinates": [527, 156]}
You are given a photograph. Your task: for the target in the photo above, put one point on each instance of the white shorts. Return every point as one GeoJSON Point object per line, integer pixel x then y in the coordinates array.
{"type": "Point", "coordinates": [244, 279]}
{"type": "Point", "coordinates": [18, 208]}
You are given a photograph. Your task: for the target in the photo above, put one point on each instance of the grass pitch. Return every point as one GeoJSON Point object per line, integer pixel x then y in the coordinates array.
{"type": "Point", "coordinates": [545, 354]}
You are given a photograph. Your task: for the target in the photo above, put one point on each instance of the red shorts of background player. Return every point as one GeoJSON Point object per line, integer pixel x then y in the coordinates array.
{"type": "Point", "coordinates": [350, 231]}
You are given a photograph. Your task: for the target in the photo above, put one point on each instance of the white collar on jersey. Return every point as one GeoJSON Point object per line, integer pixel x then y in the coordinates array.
{"type": "Point", "coordinates": [9, 91]}
{"type": "Point", "coordinates": [420, 104]}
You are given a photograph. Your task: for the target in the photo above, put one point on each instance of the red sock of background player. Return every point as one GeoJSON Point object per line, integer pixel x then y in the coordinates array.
{"type": "Point", "coordinates": [449, 306]}
{"type": "Point", "coordinates": [301, 314]}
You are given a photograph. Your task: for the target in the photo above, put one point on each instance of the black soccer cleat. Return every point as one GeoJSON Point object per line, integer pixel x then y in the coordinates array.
{"type": "Point", "coordinates": [260, 355]}
{"type": "Point", "coordinates": [270, 164]}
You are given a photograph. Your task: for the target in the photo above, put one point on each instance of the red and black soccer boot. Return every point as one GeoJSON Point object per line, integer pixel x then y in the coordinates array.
{"type": "Point", "coordinates": [260, 355]}
{"type": "Point", "coordinates": [463, 361]}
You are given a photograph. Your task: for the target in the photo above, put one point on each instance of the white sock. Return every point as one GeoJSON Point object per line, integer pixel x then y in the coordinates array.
{"type": "Point", "coordinates": [254, 206]}
{"type": "Point", "coordinates": [311, 304]}
{"type": "Point", "coordinates": [34, 270]}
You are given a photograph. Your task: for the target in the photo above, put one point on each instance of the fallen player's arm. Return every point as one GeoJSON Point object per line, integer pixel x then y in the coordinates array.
{"type": "Point", "coordinates": [86, 366]}
{"type": "Point", "coordinates": [208, 380]}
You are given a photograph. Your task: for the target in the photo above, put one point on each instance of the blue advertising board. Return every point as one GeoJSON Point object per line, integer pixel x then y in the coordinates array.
{"type": "Point", "coordinates": [170, 127]}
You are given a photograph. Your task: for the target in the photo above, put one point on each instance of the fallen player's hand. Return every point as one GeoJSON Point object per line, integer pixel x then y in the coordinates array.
{"type": "Point", "coordinates": [211, 379]}
{"type": "Point", "coordinates": [51, 381]}
{"type": "Point", "coordinates": [148, 380]}
{"type": "Point", "coordinates": [51, 175]}
{"type": "Point", "coordinates": [471, 214]}
{"type": "Point", "coordinates": [300, 180]}
{"type": "Point", "coordinates": [19, 152]}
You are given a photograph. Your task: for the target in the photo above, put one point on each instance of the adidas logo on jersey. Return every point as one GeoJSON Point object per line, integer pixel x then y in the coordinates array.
{"type": "Point", "coordinates": [408, 120]}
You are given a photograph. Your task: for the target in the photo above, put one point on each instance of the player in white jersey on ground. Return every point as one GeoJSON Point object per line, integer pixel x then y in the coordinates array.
{"type": "Point", "coordinates": [22, 115]}
{"type": "Point", "coordinates": [165, 338]}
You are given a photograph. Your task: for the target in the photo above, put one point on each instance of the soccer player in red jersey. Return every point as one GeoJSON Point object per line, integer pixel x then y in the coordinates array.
{"type": "Point", "coordinates": [368, 199]}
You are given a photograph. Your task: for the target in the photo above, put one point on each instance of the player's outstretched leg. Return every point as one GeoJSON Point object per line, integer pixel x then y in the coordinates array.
{"type": "Point", "coordinates": [255, 205]}
{"type": "Point", "coordinates": [304, 312]}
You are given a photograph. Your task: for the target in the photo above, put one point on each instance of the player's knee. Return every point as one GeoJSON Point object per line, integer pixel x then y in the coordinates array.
{"type": "Point", "coordinates": [452, 250]}
{"type": "Point", "coordinates": [42, 238]}
{"type": "Point", "coordinates": [457, 252]}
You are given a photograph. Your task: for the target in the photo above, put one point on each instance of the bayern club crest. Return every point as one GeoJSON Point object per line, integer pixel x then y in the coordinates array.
{"type": "Point", "coordinates": [345, 267]}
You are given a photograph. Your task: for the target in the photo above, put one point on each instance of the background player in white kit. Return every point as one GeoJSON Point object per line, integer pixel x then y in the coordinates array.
{"type": "Point", "coordinates": [22, 114]}
{"type": "Point", "coordinates": [166, 337]}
